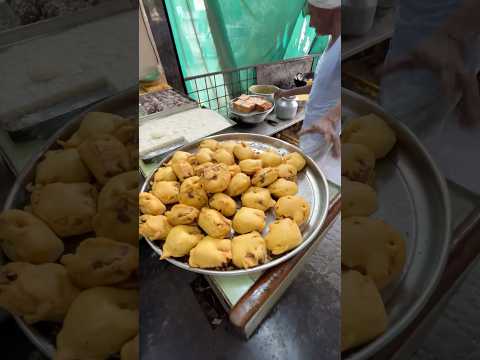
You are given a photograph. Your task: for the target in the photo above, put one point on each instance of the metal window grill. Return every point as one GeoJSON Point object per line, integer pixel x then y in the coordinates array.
{"type": "Point", "coordinates": [215, 90]}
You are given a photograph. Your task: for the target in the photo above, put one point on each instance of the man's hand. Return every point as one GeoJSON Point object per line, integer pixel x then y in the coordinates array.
{"type": "Point", "coordinates": [326, 126]}
{"type": "Point", "coordinates": [294, 91]}
{"type": "Point", "coordinates": [280, 93]}
{"type": "Point", "coordinates": [444, 54]}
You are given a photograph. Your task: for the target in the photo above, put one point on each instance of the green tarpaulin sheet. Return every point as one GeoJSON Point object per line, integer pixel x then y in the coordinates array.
{"type": "Point", "coordinates": [217, 35]}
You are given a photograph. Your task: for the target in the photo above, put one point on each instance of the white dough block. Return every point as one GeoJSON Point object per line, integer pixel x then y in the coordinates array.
{"type": "Point", "coordinates": [192, 125]}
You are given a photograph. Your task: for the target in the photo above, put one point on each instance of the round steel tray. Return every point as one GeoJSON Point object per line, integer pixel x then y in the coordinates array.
{"type": "Point", "coordinates": [125, 104]}
{"type": "Point", "coordinates": [312, 185]}
{"type": "Point", "coordinates": [413, 197]}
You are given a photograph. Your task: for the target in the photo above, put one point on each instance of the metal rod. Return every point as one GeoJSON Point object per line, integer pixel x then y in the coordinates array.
{"type": "Point", "coordinates": [307, 57]}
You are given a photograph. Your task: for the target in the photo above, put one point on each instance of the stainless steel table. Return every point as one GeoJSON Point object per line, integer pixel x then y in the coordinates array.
{"type": "Point", "coordinates": [266, 128]}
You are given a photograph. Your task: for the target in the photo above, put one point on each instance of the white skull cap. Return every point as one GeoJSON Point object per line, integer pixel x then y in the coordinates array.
{"type": "Point", "coordinates": [325, 4]}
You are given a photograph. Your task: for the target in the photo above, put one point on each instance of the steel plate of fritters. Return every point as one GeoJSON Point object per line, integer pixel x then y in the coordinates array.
{"type": "Point", "coordinates": [125, 104]}
{"type": "Point", "coordinates": [413, 198]}
{"type": "Point", "coordinates": [312, 185]}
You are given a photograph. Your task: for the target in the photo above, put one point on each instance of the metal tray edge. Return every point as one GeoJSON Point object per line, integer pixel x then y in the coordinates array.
{"type": "Point", "coordinates": [382, 341]}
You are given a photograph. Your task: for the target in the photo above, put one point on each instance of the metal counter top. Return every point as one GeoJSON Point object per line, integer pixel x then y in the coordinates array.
{"type": "Point", "coordinates": [265, 128]}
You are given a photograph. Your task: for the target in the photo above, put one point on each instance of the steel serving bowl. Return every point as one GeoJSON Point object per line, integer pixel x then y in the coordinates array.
{"type": "Point", "coordinates": [312, 185]}
{"type": "Point", "coordinates": [254, 117]}
{"type": "Point", "coordinates": [265, 91]}
{"type": "Point", "coordinates": [413, 197]}
{"type": "Point", "coordinates": [125, 104]}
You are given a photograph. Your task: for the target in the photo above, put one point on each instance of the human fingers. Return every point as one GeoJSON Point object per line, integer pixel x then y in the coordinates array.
{"type": "Point", "coordinates": [305, 131]}
{"type": "Point", "coordinates": [328, 137]}
{"type": "Point", "coordinates": [336, 146]}
{"type": "Point", "coordinates": [312, 129]}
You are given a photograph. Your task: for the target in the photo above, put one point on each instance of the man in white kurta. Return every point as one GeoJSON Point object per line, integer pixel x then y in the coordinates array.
{"type": "Point", "coordinates": [321, 126]}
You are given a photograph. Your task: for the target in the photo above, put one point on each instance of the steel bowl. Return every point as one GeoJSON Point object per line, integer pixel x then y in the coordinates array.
{"type": "Point", "coordinates": [312, 185]}
{"type": "Point", "coordinates": [265, 91]}
{"type": "Point", "coordinates": [254, 117]}
{"type": "Point", "coordinates": [124, 103]}
{"type": "Point", "coordinates": [409, 179]}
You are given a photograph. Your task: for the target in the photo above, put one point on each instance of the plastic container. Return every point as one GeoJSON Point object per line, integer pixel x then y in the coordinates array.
{"type": "Point", "coordinates": [358, 16]}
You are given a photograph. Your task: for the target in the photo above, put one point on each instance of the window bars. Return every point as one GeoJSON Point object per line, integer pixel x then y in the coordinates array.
{"type": "Point", "coordinates": [215, 90]}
